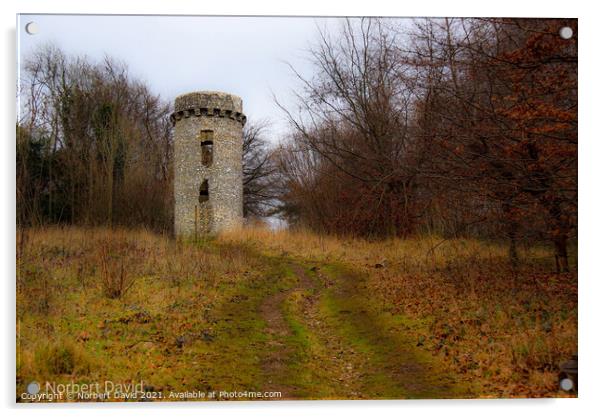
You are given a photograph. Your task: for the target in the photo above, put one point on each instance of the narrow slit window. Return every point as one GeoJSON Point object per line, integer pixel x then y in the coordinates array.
{"type": "Point", "coordinates": [206, 137]}
{"type": "Point", "coordinates": [207, 152]}
{"type": "Point", "coordinates": [204, 191]}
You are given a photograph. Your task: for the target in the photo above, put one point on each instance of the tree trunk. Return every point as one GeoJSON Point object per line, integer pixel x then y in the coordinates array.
{"type": "Point", "coordinates": [561, 255]}
{"type": "Point", "coordinates": [513, 251]}
{"type": "Point", "coordinates": [559, 233]}
{"type": "Point", "coordinates": [511, 232]}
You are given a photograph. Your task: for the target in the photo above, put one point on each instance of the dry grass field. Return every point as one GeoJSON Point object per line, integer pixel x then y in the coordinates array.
{"type": "Point", "coordinates": [305, 315]}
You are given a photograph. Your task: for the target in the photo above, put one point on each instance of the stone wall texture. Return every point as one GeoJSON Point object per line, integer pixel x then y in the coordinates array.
{"type": "Point", "coordinates": [198, 117]}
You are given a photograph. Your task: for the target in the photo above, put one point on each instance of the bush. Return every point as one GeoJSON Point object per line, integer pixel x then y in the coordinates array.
{"type": "Point", "coordinates": [115, 276]}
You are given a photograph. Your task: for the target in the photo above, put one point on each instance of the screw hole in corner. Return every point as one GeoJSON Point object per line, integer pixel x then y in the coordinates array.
{"type": "Point", "coordinates": [566, 384]}
{"type": "Point", "coordinates": [566, 32]}
{"type": "Point", "coordinates": [31, 28]}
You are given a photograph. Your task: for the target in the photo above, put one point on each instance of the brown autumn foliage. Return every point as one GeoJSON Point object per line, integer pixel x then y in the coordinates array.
{"type": "Point", "coordinates": [463, 127]}
{"type": "Point", "coordinates": [506, 127]}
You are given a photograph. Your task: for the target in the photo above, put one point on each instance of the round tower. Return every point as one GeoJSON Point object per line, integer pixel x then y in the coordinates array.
{"type": "Point", "coordinates": [207, 162]}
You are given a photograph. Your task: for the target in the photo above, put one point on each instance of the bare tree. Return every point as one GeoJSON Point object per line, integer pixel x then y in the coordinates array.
{"type": "Point", "coordinates": [102, 142]}
{"type": "Point", "coordinates": [259, 170]}
{"type": "Point", "coordinates": [355, 115]}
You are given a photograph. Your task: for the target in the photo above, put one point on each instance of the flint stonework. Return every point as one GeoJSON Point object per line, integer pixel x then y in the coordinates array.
{"type": "Point", "coordinates": [207, 147]}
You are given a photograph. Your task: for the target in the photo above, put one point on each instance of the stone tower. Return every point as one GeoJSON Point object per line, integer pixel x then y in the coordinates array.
{"type": "Point", "coordinates": [208, 162]}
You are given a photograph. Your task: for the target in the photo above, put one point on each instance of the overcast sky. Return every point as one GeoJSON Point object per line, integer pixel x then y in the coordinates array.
{"type": "Point", "coordinates": [177, 54]}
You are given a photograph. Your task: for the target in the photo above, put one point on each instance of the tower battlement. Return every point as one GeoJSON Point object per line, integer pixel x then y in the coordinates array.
{"type": "Point", "coordinates": [209, 104]}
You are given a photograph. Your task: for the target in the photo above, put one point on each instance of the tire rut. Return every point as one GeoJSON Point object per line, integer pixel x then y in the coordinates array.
{"type": "Point", "coordinates": [274, 363]}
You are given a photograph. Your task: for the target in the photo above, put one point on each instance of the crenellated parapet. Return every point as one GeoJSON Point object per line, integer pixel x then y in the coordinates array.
{"type": "Point", "coordinates": [208, 104]}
